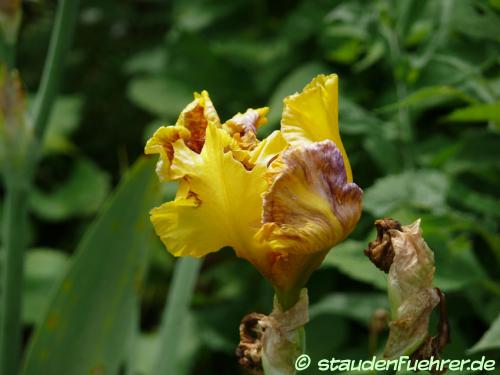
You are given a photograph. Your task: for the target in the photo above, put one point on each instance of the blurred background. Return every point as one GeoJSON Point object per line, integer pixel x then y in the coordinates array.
{"type": "Point", "coordinates": [420, 120]}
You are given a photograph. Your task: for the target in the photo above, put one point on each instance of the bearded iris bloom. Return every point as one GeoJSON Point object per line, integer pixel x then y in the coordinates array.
{"type": "Point", "coordinates": [281, 203]}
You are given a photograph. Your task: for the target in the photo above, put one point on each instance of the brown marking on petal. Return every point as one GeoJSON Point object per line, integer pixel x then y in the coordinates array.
{"type": "Point", "coordinates": [163, 140]}
{"type": "Point", "coordinates": [243, 127]}
{"type": "Point", "coordinates": [316, 172]}
{"type": "Point", "coordinates": [196, 122]}
{"type": "Point", "coordinates": [247, 122]}
{"type": "Point", "coordinates": [192, 195]}
{"type": "Point", "coordinates": [169, 148]}
{"type": "Point", "coordinates": [380, 251]}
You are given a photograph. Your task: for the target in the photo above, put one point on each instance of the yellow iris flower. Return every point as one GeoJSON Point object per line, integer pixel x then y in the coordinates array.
{"type": "Point", "coordinates": [280, 203]}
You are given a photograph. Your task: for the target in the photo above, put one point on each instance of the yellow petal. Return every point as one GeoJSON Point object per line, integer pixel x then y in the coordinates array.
{"type": "Point", "coordinates": [268, 149]}
{"type": "Point", "coordinates": [161, 143]}
{"type": "Point", "coordinates": [190, 128]}
{"type": "Point", "coordinates": [309, 206]}
{"type": "Point", "coordinates": [222, 207]}
{"type": "Point", "coordinates": [312, 115]}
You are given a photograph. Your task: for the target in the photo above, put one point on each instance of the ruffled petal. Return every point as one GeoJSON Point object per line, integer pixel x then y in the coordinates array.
{"type": "Point", "coordinates": [248, 122]}
{"type": "Point", "coordinates": [195, 117]}
{"type": "Point", "coordinates": [312, 115]}
{"type": "Point", "coordinates": [220, 204]}
{"type": "Point", "coordinates": [309, 206]}
{"type": "Point", "coordinates": [190, 128]}
{"type": "Point", "coordinates": [162, 143]}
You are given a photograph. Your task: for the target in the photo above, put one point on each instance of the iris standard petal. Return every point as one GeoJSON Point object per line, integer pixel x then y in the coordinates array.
{"type": "Point", "coordinates": [309, 206]}
{"type": "Point", "coordinates": [312, 115]}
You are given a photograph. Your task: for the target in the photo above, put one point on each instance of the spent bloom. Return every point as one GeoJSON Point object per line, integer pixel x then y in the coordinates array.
{"type": "Point", "coordinates": [281, 203]}
{"type": "Point", "coordinates": [403, 254]}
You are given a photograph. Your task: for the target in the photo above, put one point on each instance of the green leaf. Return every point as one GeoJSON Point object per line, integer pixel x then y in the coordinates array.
{"type": "Point", "coordinates": [64, 119]}
{"type": "Point", "coordinates": [354, 119]}
{"type": "Point", "coordinates": [490, 340]}
{"type": "Point", "coordinates": [346, 52]}
{"type": "Point", "coordinates": [348, 258]}
{"type": "Point", "coordinates": [93, 316]}
{"type": "Point", "coordinates": [456, 263]}
{"type": "Point", "coordinates": [173, 320]}
{"type": "Point", "coordinates": [196, 15]}
{"type": "Point", "coordinates": [337, 332]}
{"type": "Point", "coordinates": [424, 189]}
{"type": "Point", "coordinates": [149, 61]}
{"type": "Point", "coordinates": [148, 347]}
{"type": "Point", "coordinates": [161, 96]}
{"type": "Point", "coordinates": [43, 270]}
{"type": "Point", "coordinates": [358, 306]}
{"type": "Point", "coordinates": [475, 201]}
{"type": "Point", "coordinates": [145, 350]}
{"type": "Point", "coordinates": [376, 140]}
{"type": "Point", "coordinates": [419, 31]}
{"type": "Point", "coordinates": [476, 113]}
{"type": "Point", "coordinates": [375, 53]}
{"type": "Point", "coordinates": [429, 97]}
{"type": "Point", "coordinates": [476, 19]}
{"type": "Point", "coordinates": [81, 195]}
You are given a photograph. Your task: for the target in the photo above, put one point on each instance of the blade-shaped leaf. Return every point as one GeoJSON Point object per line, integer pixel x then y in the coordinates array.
{"type": "Point", "coordinates": [92, 318]}
{"type": "Point", "coordinates": [43, 270]}
{"type": "Point", "coordinates": [478, 112]}
{"type": "Point", "coordinates": [490, 340]}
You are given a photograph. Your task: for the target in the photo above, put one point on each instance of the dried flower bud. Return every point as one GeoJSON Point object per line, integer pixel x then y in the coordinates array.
{"type": "Point", "coordinates": [402, 252]}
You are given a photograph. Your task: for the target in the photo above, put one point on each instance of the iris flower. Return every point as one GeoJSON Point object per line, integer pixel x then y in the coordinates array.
{"type": "Point", "coordinates": [281, 203]}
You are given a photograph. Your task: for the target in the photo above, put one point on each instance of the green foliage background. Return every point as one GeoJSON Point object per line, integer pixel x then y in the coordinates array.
{"type": "Point", "coordinates": [420, 119]}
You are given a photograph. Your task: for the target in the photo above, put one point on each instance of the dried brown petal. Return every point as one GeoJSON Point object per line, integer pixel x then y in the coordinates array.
{"type": "Point", "coordinates": [380, 251]}
{"type": "Point", "coordinates": [249, 350]}
{"type": "Point", "coordinates": [402, 252]}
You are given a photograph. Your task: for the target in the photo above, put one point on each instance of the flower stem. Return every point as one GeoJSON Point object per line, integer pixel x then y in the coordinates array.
{"type": "Point", "coordinates": [14, 225]}
{"type": "Point", "coordinates": [62, 33]}
{"type": "Point", "coordinates": [17, 192]}
{"type": "Point", "coordinates": [179, 297]}
{"type": "Point", "coordinates": [287, 298]}
{"type": "Point", "coordinates": [7, 53]}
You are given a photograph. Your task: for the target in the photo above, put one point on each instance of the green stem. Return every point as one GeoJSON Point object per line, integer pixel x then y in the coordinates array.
{"type": "Point", "coordinates": [287, 298]}
{"type": "Point", "coordinates": [65, 22]}
{"type": "Point", "coordinates": [17, 193]}
{"type": "Point", "coordinates": [14, 224]}
{"type": "Point", "coordinates": [179, 297]}
{"type": "Point", "coordinates": [7, 53]}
